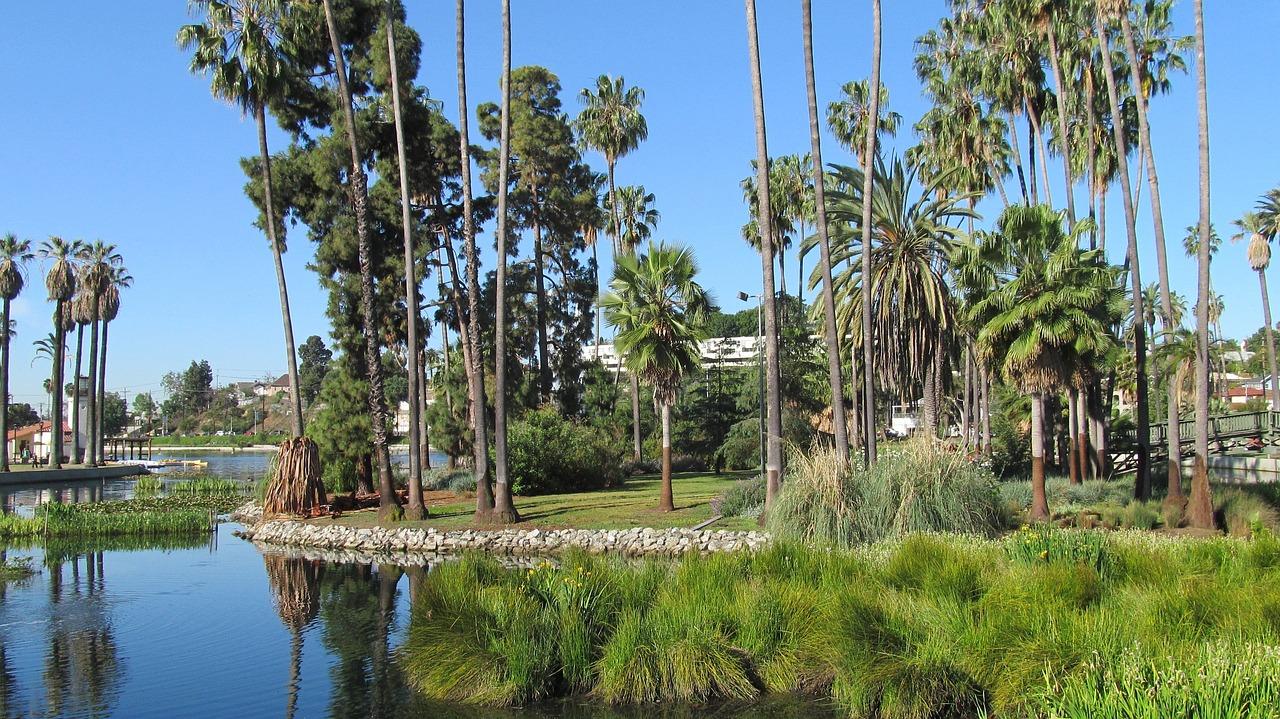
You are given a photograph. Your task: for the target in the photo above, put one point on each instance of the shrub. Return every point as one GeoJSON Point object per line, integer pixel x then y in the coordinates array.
{"type": "Point", "coordinates": [741, 448]}
{"type": "Point", "coordinates": [458, 481]}
{"type": "Point", "coordinates": [1241, 512]}
{"type": "Point", "coordinates": [920, 487]}
{"type": "Point", "coordinates": [548, 453]}
{"type": "Point", "coordinates": [744, 498]}
{"type": "Point", "coordinates": [1046, 544]}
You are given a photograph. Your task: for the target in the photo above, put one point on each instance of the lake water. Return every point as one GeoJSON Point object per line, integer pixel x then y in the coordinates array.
{"type": "Point", "coordinates": [217, 627]}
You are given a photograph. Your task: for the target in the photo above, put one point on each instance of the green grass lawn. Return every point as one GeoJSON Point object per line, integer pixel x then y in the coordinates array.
{"type": "Point", "coordinates": [632, 505]}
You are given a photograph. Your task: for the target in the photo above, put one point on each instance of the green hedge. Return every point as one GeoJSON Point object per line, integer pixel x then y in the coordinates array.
{"type": "Point", "coordinates": [547, 454]}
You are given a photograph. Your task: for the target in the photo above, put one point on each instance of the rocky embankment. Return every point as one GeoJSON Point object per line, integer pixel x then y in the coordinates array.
{"type": "Point", "coordinates": [508, 542]}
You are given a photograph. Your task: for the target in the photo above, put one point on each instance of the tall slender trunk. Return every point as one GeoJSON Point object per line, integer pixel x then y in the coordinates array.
{"type": "Point", "coordinates": [1081, 447]}
{"type": "Point", "coordinates": [424, 429]}
{"type": "Point", "coordinates": [1271, 340]}
{"type": "Point", "coordinates": [1017, 154]}
{"type": "Point", "coordinates": [540, 306]}
{"type": "Point", "coordinates": [1173, 471]}
{"type": "Point", "coordinates": [773, 414]}
{"type": "Point", "coordinates": [98, 420]}
{"type": "Point", "coordinates": [55, 429]}
{"type": "Point", "coordinates": [615, 226]}
{"type": "Point", "coordinates": [1102, 219]}
{"type": "Point", "coordinates": [985, 408]}
{"type": "Point", "coordinates": [473, 352]}
{"type": "Point", "coordinates": [868, 365]}
{"type": "Point", "coordinates": [388, 503]}
{"type": "Point", "coordinates": [666, 503]}
{"type": "Point", "coordinates": [1091, 149]}
{"type": "Point", "coordinates": [91, 443]}
{"type": "Point", "coordinates": [1039, 503]}
{"type": "Point", "coordinates": [595, 279]}
{"type": "Point", "coordinates": [1142, 482]}
{"type": "Point", "coordinates": [1075, 472]}
{"type": "Point", "coordinates": [4, 387]}
{"type": "Point", "coordinates": [75, 403]}
{"type": "Point", "coordinates": [269, 214]}
{"type": "Point", "coordinates": [1200, 509]}
{"type": "Point", "coordinates": [1064, 146]}
{"type": "Point", "coordinates": [415, 509]}
{"type": "Point", "coordinates": [504, 510]}
{"type": "Point", "coordinates": [1033, 118]}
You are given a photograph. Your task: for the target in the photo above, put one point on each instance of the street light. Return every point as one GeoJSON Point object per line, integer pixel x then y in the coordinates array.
{"type": "Point", "coordinates": [760, 363]}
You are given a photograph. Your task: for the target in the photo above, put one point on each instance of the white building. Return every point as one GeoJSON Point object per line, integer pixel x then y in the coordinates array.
{"type": "Point", "coordinates": [716, 352]}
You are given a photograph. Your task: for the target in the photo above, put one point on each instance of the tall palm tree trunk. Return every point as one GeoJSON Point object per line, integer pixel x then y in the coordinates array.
{"type": "Point", "coordinates": [388, 502]}
{"type": "Point", "coordinates": [473, 353]}
{"type": "Point", "coordinates": [839, 420]}
{"type": "Point", "coordinates": [1055, 66]}
{"type": "Point", "coordinates": [666, 504]}
{"type": "Point", "coordinates": [1271, 339]}
{"type": "Point", "coordinates": [1142, 482]}
{"type": "Point", "coordinates": [91, 445]}
{"type": "Point", "coordinates": [1200, 509]}
{"type": "Point", "coordinates": [773, 413]}
{"type": "Point", "coordinates": [1075, 473]}
{"type": "Point", "coordinates": [4, 387]}
{"type": "Point", "coordinates": [1039, 504]}
{"type": "Point", "coordinates": [1034, 119]}
{"type": "Point", "coordinates": [504, 510]}
{"type": "Point", "coordinates": [415, 509]}
{"type": "Point", "coordinates": [268, 207]}
{"type": "Point", "coordinates": [101, 389]}
{"type": "Point", "coordinates": [55, 429]}
{"type": "Point", "coordinates": [1017, 154]}
{"type": "Point", "coordinates": [75, 403]}
{"type": "Point", "coordinates": [869, 154]}
{"type": "Point", "coordinates": [1082, 432]}
{"type": "Point", "coordinates": [1173, 471]}
{"type": "Point", "coordinates": [540, 307]}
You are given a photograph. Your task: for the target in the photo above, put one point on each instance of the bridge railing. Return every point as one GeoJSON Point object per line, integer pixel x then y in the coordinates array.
{"type": "Point", "coordinates": [1236, 424]}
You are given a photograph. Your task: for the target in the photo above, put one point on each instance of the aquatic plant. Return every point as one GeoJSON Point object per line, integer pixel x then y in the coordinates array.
{"type": "Point", "coordinates": [102, 519]}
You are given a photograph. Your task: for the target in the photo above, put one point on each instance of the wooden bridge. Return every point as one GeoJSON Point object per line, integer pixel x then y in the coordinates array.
{"type": "Point", "coordinates": [1240, 430]}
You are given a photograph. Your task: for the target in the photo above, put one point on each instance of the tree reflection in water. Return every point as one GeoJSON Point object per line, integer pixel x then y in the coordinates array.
{"type": "Point", "coordinates": [82, 667]}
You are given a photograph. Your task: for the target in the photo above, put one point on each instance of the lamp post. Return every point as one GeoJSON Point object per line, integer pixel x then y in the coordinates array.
{"type": "Point", "coordinates": [760, 365]}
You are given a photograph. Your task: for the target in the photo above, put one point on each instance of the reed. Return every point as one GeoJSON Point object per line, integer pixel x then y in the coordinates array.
{"type": "Point", "coordinates": [74, 520]}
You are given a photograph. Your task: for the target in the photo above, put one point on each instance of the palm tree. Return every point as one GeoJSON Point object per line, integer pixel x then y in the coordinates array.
{"type": "Point", "coordinates": [611, 124]}
{"type": "Point", "coordinates": [658, 309]}
{"type": "Point", "coordinates": [1200, 510]}
{"type": "Point", "coordinates": [118, 278]}
{"type": "Point", "coordinates": [82, 312]}
{"type": "Point", "coordinates": [416, 510]}
{"type": "Point", "coordinates": [1050, 317]}
{"type": "Point", "coordinates": [97, 261]}
{"type": "Point", "coordinates": [1258, 228]}
{"type": "Point", "coordinates": [773, 410]}
{"type": "Point", "coordinates": [1142, 483]}
{"type": "Point", "coordinates": [635, 215]}
{"type": "Point", "coordinates": [60, 281]}
{"type": "Point", "coordinates": [779, 219]}
{"type": "Point", "coordinates": [504, 510]}
{"type": "Point", "coordinates": [869, 154]}
{"type": "Point", "coordinates": [848, 117]}
{"type": "Point", "coordinates": [913, 312]}
{"type": "Point", "coordinates": [792, 176]}
{"type": "Point", "coordinates": [838, 419]}
{"type": "Point", "coordinates": [471, 340]}
{"type": "Point", "coordinates": [14, 253]}
{"type": "Point", "coordinates": [388, 503]}
{"type": "Point", "coordinates": [239, 45]}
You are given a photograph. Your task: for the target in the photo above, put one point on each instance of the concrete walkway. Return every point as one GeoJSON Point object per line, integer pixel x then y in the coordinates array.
{"type": "Point", "coordinates": [70, 474]}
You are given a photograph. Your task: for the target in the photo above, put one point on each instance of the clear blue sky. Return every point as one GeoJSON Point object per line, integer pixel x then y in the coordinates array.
{"type": "Point", "coordinates": [106, 136]}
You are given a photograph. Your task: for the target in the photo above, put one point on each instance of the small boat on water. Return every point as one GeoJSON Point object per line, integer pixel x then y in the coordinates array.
{"type": "Point", "coordinates": [163, 463]}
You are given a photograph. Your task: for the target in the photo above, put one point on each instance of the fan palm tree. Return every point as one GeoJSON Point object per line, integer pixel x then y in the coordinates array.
{"type": "Point", "coordinates": [388, 502]}
{"type": "Point", "coordinates": [1200, 509]}
{"type": "Point", "coordinates": [779, 220]}
{"type": "Point", "coordinates": [1049, 318]}
{"type": "Point", "coordinates": [96, 263]}
{"type": "Point", "coordinates": [1258, 228]}
{"type": "Point", "coordinates": [658, 309]}
{"type": "Point", "coordinates": [416, 509]}
{"type": "Point", "coordinates": [839, 421]}
{"type": "Point", "coordinates": [868, 180]}
{"type": "Point", "coordinates": [60, 281]}
{"type": "Point", "coordinates": [14, 254]}
{"type": "Point", "coordinates": [772, 420]}
{"type": "Point", "coordinates": [611, 124]}
{"type": "Point", "coordinates": [504, 510]}
{"type": "Point", "coordinates": [635, 215]}
{"type": "Point", "coordinates": [239, 46]}
{"type": "Point", "coordinates": [848, 117]}
{"type": "Point", "coordinates": [1142, 482]}
{"type": "Point", "coordinates": [471, 333]}
{"type": "Point", "coordinates": [118, 278]}
{"type": "Point", "coordinates": [82, 312]}
{"type": "Point", "coordinates": [793, 178]}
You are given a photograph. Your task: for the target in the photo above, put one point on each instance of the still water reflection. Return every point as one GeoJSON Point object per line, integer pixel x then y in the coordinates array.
{"type": "Point", "coordinates": [217, 627]}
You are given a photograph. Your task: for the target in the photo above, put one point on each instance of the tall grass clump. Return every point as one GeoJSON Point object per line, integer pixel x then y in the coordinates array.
{"type": "Point", "coordinates": [205, 485]}
{"type": "Point", "coordinates": [93, 520]}
{"type": "Point", "coordinates": [920, 487]}
{"type": "Point", "coordinates": [1241, 512]}
{"type": "Point", "coordinates": [147, 486]}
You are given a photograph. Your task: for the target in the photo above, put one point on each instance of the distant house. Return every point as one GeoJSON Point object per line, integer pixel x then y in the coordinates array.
{"type": "Point", "coordinates": [245, 393]}
{"type": "Point", "coordinates": [36, 438]}
{"type": "Point", "coordinates": [274, 388]}
{"type": "Point", "coordinates": [402, 414]}
{"type": "Point", "coordinates": [1237, 396]}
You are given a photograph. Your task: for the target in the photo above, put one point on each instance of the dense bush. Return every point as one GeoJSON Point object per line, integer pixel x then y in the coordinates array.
{"type": "Point", "coordinates": [917, 486]}
{"type": "Point", "coordinates": [1085, 624]}
{"type": "Point", "coordinates": [547, 453]}
{"type": "Point", "coordinates": [458, 481]}
{"type": "Point", "coordinates": [745, 498]}
{"type": "Point", "coordinates": [741, 448]}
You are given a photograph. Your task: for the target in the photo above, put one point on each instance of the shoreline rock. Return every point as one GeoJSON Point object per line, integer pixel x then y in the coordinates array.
{"type": "Point", "coordinates": [636, 542]}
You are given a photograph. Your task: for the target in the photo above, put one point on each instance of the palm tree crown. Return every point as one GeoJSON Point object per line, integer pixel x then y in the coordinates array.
{"type": "Point", "coordinates": [238, 44]}
{"type": "Point", "coordinates": [610, 121]}
{"type": "Point", "coordinates": [13, 254]}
